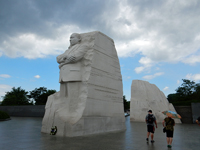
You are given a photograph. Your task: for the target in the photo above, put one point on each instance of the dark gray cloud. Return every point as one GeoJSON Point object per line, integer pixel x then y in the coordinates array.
{"type": "Point", "coordinates": [158, 30]}
{"type": "Point", "coordinates": [42, 17]}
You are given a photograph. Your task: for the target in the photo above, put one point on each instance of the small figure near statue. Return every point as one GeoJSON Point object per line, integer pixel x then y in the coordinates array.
{"type": "Point", "coordinates": [53, 131]}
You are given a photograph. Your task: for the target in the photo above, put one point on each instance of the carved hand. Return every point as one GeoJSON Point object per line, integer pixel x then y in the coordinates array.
{"type": "Point", "coordinates": [67, 60]}
{"type": "Point", "coordinates": [72, 59]}
{"type": "Point", "coordinates": [60, 59]}
{"type": "Point", "coordinates": [63, 59]}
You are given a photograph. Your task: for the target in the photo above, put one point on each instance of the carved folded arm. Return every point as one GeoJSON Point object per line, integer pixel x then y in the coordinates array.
{"type": "Point", "coordinates": [60, 58]}
{"type": "Point", "coordinates": [73, 57]}
{"type": "Point", "coordinates": [79, 54]}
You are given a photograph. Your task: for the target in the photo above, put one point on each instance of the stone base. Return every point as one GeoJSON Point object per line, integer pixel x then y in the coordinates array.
{"type": "Point", "coordinates": [87, 126]}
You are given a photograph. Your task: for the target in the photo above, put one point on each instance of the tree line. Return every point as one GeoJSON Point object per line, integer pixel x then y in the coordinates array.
{"type": "Point", "coordinates": [19, 96]}
{"type": "Point", "coordinates": [126, 104]}
{"type": "Point", "coordinates": [38, 96]}
{"type": "Point", "coordinates": [187, 93]}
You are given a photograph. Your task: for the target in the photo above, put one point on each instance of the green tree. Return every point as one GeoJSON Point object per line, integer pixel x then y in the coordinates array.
{"type": "Point", "coordinates": [40, 95]}
{"type": "Point", "coordinates": [172, 97]}
{"type": "Point", "coordinates": [197, 91]}
{"type": "Point", "coordinates": [187, 88]}
{"type": "Point", "coordinates": [17, 96]}
{"type": "Point", "coordinates": [187, 93]}
{"type": "Point", "coordinates": [126, 103]}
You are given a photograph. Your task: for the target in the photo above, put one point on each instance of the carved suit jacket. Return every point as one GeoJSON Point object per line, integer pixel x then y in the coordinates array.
{"type": "Point", "coordinates": [72, 70]}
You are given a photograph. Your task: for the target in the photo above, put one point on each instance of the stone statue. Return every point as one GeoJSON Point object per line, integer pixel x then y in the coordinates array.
{"type": "Point", "coordinates": [90, 99]}
{"type": "Point", "coordinates": [70, 79]}
{"type": "Point", "coordinates": [70, 65]}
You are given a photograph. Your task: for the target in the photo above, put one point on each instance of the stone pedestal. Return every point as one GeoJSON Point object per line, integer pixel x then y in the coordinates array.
{"type": "Point", "coordinates": [146, 96]}
{"type": "Point", "coordinates": [98, 105]}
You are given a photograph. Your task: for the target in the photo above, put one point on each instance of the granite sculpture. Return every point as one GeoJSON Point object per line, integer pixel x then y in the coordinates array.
{"type": "Point", "coordinates": [146, 96]}
{"type": "Point", "coordinates": [90, 97]}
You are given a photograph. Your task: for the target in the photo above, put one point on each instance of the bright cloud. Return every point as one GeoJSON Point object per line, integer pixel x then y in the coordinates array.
{"type": "Point", "coordinates": [149, 77]}
{"type": "Point", "coordinates": [166, 88]}
{"type": "Point", "coordinates": [151, 30]}
{"type": "Point", "coordinates": [139, 69]}
{"type": "Point", "coordinates": [146, 62]}
{"type": "Point", "coordinates": [195, 77]}
{"type": "Point", "coordinates": [178, 81]}
{"type": "Point", "coordinates": [192, 59]}
{"type": "Point", "coordinates": [33, 46]}
{"type": "Point", "coordinates": [5, 76]}
{"type": "Point", "coordinates": [3, 89]}
{"type": "Point", "coordinates": [37, 76]}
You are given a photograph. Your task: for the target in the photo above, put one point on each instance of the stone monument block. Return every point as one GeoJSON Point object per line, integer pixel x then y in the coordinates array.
{"type": "Point", "coordinates": [146, 96]}
{"type": "Point", "coordinates": [90, 99]}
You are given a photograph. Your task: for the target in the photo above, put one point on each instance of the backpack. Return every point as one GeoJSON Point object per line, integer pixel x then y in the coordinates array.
{"type": "Point", "coordinates": [150, 119]}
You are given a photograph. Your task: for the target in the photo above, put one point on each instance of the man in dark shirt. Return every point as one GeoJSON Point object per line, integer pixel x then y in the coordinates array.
{"type": "Point", "coordinates": [150, 125]}
{"type": "Point", "coordinates": [198, 121]}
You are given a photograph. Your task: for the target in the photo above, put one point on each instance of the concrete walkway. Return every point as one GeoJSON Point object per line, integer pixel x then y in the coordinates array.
{"type": "Point", "coordinates": [23, 133]}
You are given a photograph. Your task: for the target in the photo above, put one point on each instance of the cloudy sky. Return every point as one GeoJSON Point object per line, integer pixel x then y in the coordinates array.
{"type": "Point", "coordinates": [157, 41]}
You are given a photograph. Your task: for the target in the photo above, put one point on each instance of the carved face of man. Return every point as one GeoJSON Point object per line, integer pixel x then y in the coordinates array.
{"type": "Point", "coordinates": [74, 39]}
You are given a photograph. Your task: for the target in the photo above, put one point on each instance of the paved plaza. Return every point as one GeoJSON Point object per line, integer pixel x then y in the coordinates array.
{"type": "Point", "coordinates": [23, 133]}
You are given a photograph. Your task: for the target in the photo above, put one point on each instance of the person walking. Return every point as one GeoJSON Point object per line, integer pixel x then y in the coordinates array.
{"type": "Point", "coordinates": [150, 120]}
{"type": "Point", "coordinates": [168, 124]}
{"type": "Point", "coordinates": [198, 121]}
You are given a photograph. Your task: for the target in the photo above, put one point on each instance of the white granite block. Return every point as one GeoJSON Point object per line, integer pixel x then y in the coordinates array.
{"type": "Point", "coordinates": [146, 96]}
{"type": "Point", "coordinates": [90, 99]}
